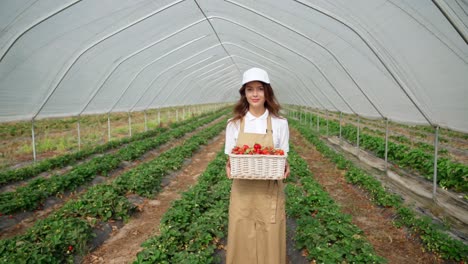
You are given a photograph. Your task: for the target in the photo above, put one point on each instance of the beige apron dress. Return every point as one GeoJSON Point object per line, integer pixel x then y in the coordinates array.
{"type": "Point", "coordinates": [257, 225]}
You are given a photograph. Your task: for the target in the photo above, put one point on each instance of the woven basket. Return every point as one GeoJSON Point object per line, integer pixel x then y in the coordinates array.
{"type": "Point", "coordinates": [257, 167]}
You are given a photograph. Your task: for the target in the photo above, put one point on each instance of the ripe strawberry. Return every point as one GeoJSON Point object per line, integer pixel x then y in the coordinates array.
{"type": "Point", "coordinates": [257, 146]}
{"type": "Point", "coordinates": [235, 150]}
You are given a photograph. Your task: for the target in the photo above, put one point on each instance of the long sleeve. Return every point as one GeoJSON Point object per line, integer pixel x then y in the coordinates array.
{"type": "Point", "coordinates": [282, 137]}
{"type": "Point", "coordinates": [232, 132]}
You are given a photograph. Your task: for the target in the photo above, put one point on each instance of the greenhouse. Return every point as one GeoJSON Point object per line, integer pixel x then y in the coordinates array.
{"type": "Point", "coordinates": [114, 117]}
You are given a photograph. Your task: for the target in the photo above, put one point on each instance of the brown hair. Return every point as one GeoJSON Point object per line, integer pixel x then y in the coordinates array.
{"type": "Point", "coordinates": [242, 106]}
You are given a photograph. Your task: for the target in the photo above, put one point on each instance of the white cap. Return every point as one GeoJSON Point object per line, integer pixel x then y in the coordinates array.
{"type": "Point", "coordinates": [255, 74]}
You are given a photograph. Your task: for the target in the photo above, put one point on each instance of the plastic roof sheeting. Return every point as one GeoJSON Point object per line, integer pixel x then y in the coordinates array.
{"type": "Point", "coordinates": [402, 60]}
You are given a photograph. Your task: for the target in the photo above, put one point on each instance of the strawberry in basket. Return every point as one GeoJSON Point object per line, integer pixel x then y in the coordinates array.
{"type": "Point", "coordinates": [257, 149]}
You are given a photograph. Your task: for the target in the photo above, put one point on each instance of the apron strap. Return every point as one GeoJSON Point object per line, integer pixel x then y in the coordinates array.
{"type": "Point", "coordinates": [269, 126]}
{"type": "Point", "coordinates": [242, 125]}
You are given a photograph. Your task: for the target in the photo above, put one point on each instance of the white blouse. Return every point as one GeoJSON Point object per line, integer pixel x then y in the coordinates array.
{"type": "Point", "coordinates": [258, 125]}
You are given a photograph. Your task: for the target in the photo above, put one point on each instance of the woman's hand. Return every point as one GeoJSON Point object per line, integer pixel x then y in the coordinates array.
{"type": "Point", "coordinates": [286, 170]}
{"type": "Point", "coordinates": [228, 169]}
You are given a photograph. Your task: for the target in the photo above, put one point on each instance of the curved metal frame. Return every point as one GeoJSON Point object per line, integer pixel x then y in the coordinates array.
{"type": "Point", "coordinates": [81, 53]}
{"type": "Point", "coordinates": [33, 26]}
{"type": "Point", "coordinates": [126, 58]}
{"type": "Point", "coordinates": [285, 68]}
{"type": "Point", "coordinates": [322, 11]}
{"type": "Point", "coordinates": [374, 50]}
{"type": "Point", "coordinates": [293, 51]}
{"type": "Point", "coordinates": [315, 42]}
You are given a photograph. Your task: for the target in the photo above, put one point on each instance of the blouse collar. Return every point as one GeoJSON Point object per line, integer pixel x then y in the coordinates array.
{"type": "Point", "coordinates": [250, 117]}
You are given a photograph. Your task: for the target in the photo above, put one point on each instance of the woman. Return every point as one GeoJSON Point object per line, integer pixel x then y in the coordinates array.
{"type": "Point", "coordinates": [257, 222]}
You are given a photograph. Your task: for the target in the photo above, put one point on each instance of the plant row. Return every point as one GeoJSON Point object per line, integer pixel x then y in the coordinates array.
{"type": "Point", "coordinates": [421, 131]}
{"type": "Point", "coordinates": [323, 230]}
{"type": "Point", "coordinates": [23, 128]}
{"type": "Point", "coordinates": [190, 229]}
{"type": "Point", "coordinates": [67, 232]}
{"type": "Point", "coordinates": [450, 174]}
{"type": "Point", "coordinates": [37, 190]}
{"type": "Point", "coordinates": [433, 236]}
{"type": "Point", "coordinates": [406, 141]}
{"type": "Point", "coordinates": [9, 176]}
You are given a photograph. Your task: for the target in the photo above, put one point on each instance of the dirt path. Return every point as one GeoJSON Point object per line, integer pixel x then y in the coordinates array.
{"type": "Point", "coordinates": [124, 243]}
{"type": "Point", "coordinates": [394, 244]}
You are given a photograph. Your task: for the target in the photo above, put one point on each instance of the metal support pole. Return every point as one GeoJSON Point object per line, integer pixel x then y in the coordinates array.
{"type": "Point", "coordinates": [318, 124]}
{"type": "Point", "coordinates": [159, 117]}
{"type": "Point", "coordinates": [436, 146]}
{"type": "Point", "coordinates": [108, 128]}
{"type": "Point", "coordinates": [311, 123]}
{"type": "Point", "coordinates": [146, 124]}
{"type": "Point", "coordinates": [183, 113]}
{"type": "Point", "coordinates": [341, 116]}
{"type": "Point", "coordinates": [177, 115]}
{"type": "Point", "coordinates": [33, 140]}
{"type": "Point", "coordinates": [386, 144]}
{"type": "Point", "coordinates": [327, 122]}
{"type": "Point", "coordinates": [79, 134]}
{"type": "Point", "coordinates": [358, 128]}
{"type": "Point", "coordinates": [129, 124]}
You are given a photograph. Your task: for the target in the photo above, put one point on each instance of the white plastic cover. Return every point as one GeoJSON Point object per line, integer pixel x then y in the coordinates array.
{"type": "Point", "coordinates": [402, 60]}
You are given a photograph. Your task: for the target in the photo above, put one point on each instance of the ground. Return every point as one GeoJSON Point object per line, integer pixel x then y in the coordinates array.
{"type": "Point", "coordinates": [395, 244]}
{"type": "Point", "coordinates": [122, 242]}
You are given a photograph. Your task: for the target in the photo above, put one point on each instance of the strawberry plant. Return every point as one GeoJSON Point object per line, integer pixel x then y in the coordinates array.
{"type": "Point", "coordinates": [102, 202]}
{"type": "Point", "coordinates": [451, 174]}
{"type": "Point", "coordinates": [191, 227]}
{"type": "Point", "coordinates": [49, 240]}
{"type": "Point", "coordinates": [434, 237]}
{"type": "Point", "coordinates": [37, 190]}
{"type": "Point", "coordinates": [327, 234]}
{"type": "Point", "coordinates": [9, 176]}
